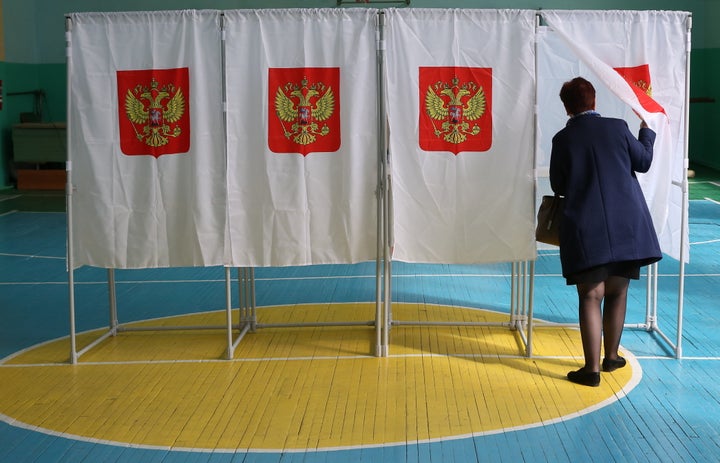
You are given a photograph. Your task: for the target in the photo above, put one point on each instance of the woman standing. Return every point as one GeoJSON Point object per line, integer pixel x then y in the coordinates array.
{"type": "Point", "coordinates": [606, 234]}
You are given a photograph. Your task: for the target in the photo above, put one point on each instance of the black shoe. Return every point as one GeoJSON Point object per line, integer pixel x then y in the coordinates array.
{"type": "Point", "coordinates": [612, 365]}
{"type": "Point", "coordinates": [586, 378]}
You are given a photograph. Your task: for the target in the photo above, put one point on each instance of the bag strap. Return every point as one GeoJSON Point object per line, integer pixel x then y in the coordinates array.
{"type": "Point", "coordinates": [557, 199]}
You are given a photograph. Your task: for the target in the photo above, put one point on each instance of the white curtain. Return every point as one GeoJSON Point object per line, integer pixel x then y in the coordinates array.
{"type": "Point", "coordinates": [460, 104]}
{"type": "Point", "coordinates": [146, 139]}
{"type": "Point", "coordinates": [302, 136]}
{"type": "Point", "coordinates": [649, 49]}
{"type": "Point", "coordinates": [286, 175]}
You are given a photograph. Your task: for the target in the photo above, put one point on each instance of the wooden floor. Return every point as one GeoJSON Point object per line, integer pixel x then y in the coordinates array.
{"type": "Point", "coordinates": [318, 394]}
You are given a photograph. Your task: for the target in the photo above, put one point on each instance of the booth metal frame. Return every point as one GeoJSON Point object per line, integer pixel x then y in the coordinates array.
{"type": "Point", "coordinates": [522, 273]}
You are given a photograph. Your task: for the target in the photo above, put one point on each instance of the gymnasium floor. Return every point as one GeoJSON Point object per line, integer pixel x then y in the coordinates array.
{"type": "Point", "coordinates": [317, 394]}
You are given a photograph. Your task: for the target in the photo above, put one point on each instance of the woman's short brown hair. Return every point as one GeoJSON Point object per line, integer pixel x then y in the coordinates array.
{"type": "Point", "coordinates": [578, 95]}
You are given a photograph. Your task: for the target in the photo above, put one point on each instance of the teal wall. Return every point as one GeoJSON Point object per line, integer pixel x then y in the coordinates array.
{"type": "Point", "coordinates": [34, 33]}
{"type": "Point", "coordinates": [704, 77]}
{"type": "Point", "coordinates": [705, 115]}
{"type": "Point", "coordinates": [16, 78]}
{"type": "Point", "coordinates": [50, 25]}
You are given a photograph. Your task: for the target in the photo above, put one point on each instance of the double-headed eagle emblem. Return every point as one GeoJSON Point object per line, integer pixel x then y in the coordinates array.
{"type": "Point", "coordinates": [305, 106]}
{"type": "Point", "coordinates": [455, 106]}
{"type": "Point", "coordinates": [644, 86]}
{"type": "Point", "coordinates": [155, 109]}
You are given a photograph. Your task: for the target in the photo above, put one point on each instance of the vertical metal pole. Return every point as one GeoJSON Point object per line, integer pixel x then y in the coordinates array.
{"type": "Point", "coordinates": [112, 295]}
{"type": "Point", "coordinates": [379, 268]}
{"type": "Point", "coordinates": [523, 287]}
{"type": "Point", "coordinates": [388, 202]}
{"type": "Point", "coordinates": [513, 289]}
{"type": "Point", "coordinates": [683, 227]}
{"type": "Point", "coordinates": [649, 315]}
{"type": "Point", "coordinates": [69, 193]}
{"type": "Point", "coordinates": [531, 302]}
{"type": "Point", "coordinates": [228, 270]}
{"type": "Point", "coordinates": [228, 312]}
{"type": "Point", "coordinates": [381, 262]}
{"type": "Point", "coordinates": [243, 295]}
{"type": "Point", "coordinates": [253, 307]}
{"type": "Point", "coordinates": [656, 274]}
{"type": "Point", "coordinates": [388, 264]}
{"type": "Point", "coordinates": [246, 295]}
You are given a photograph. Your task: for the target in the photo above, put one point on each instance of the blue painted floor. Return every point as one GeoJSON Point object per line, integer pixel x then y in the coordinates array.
{"type": "Point", "coordinates": [673, 415]}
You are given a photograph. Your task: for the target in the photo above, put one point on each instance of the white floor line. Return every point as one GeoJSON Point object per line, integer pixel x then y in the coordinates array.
{"type": "Point", "coordinates": [705, 242]}
{"type": "Point", "coordinates": [683, 358]}
{"type": "Point", "coordinates": [327, 277]}
{"type": "Point", "coordinates": [30, 256]}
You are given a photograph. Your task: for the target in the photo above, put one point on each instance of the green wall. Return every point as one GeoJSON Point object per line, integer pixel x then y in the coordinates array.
{"type": "Point", "coordinates": [34, 32]}
{"type": "Point", "coordinates": [704, 75]}
{"type": "Point", "coordinates": [704, 107]}
{"type": "Point", "coordinates": [20, 77]}
{"type": "Point", "coordinates": [16, 78]}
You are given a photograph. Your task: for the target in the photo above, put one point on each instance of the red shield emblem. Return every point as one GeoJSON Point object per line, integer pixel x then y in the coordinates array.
{"type": "Point", "coordinates": [639, 79]}
{"type": "Point", "coordinates": [304, 115]}
{"type": "Point", "coordinates": [455, 109]}
{"type": "Point", "coordinates": [154, 110]}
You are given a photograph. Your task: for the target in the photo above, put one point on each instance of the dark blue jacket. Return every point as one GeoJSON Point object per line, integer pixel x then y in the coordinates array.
{"type": "Point", "coordinates": [606, 219]}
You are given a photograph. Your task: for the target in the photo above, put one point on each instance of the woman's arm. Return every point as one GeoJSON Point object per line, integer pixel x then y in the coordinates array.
{"type": "Point", "coordinates": [557, 175]}
{"type": "Point", "coordinates": [641, 148]}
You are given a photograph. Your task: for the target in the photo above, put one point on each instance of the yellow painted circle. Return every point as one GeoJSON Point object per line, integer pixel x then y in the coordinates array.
{"type": "Point", "coordinates": [304, 388]}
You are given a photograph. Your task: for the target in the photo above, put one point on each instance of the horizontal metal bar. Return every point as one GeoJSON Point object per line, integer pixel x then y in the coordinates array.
{"type": "Point", "coordinates": [174, 328]}
{"type": "Point", "coordinates": [355, 2]}
{"type": "Point", "coordinates": [231, 350]}
{"type": "Point", "coordinates": [94, 343]}
{"type": "Point", "coordinates": [672, 345]}
{"type": "Point", "coordinates": [314, 324]}
{"type": "Point", "coordinates": [431, 323]}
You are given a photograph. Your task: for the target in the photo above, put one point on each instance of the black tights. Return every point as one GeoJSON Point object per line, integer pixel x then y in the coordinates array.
{"type": "Point", "coordinates": [602, 326]}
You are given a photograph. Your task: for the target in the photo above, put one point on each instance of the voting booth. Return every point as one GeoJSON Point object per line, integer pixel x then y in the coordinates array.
{"type": "Point", "coordinates": [284, 137]}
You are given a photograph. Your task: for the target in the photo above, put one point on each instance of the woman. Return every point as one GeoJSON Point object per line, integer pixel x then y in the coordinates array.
{"type": "Point", "coordinates": [607, 233]}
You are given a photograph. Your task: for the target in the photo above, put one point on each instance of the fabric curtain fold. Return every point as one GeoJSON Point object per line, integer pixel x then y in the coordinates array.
{"type": "Point", "coordinates": [147, 146]}
{"type": "Point", "coordinates": [639, 57]}
{"type": "Point", "coordinates": [302, 136]}
{"type": "Point", "coordinates": [460, 99]}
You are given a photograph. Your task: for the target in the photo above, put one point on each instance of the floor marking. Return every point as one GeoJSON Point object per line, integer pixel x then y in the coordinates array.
{"type": "Point", "coordinates": [700, 182]}
{"type": "Point", "coordinates": [30, 256]}
{"type": "Point", "coordinates": [280, 279]}
{"type": "Point", "coordinates": [439, 384]}
{"type": "Point", "coordinates": [15, 211]}
{"type": "Point", "coordinates": [695, 358]}
{"type": "Point", "coordinates": [705, 242]}
{"type": "Point", "coordinates": [4, 364]}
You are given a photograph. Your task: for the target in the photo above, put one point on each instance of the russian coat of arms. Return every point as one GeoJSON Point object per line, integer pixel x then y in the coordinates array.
{"type": "Point", "coordinates": [154, 117]}
{"type": "Point", "coordinates": [455, 109]}
{"type": "Point", "coordinates": [302, 108]}
{"type": "Point", "coordinates": [305, 110]}
{"type": "Point", "coordinates": [154, 110]}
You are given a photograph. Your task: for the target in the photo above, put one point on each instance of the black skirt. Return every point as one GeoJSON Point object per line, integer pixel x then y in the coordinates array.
{"type": "Point", "coordinates": [627, 269]}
